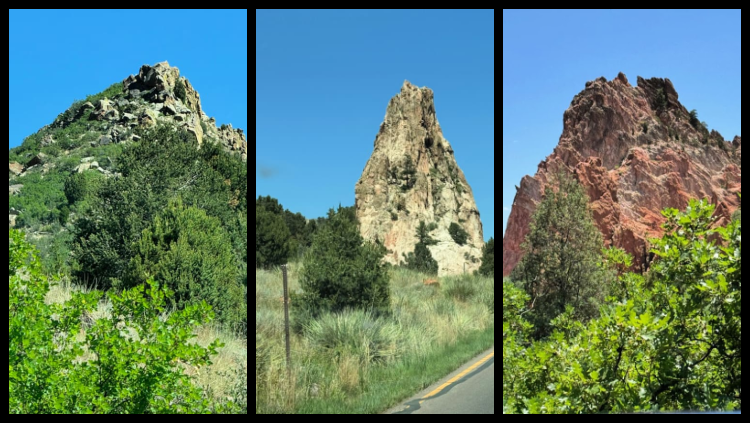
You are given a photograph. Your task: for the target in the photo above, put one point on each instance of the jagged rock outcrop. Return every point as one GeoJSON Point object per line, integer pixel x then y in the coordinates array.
{"type": "Point", "coordinates": [413, 176]}
{"type": "Point", "coordinates": [636, 150]}
{"type": "Point", "coordinates": [156, 94]}
{"type": "Point", "coordinates": [169, 96]}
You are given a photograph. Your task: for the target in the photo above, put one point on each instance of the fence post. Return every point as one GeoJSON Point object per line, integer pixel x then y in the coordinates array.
{"type": "Point", "coordinates": [286, 320]}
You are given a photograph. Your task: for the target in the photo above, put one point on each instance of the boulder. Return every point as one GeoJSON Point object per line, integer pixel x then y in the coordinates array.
{"type": "Point", "coordinates": [14, 169]}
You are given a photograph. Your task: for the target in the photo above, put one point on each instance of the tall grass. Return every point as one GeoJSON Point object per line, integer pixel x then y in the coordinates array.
{"type": "Point", "coordinates": [357, 362]}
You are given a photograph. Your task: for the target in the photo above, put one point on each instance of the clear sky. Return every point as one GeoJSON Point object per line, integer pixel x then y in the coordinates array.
{"type": "Point", "coordinates": [323, 80]}
{"type": "Point", "coordinates": [58, 56]}
{"type": "Point", "coordinates": [549, 55]}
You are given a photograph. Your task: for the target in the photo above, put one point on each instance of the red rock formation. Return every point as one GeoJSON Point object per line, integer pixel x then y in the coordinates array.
{"type": "Point", "coordinates": [635, 151]}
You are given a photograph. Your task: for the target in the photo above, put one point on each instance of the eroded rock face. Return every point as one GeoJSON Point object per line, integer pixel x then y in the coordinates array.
{"type": "Point", "coordinates": [413, 176]}
{"type": "Point", "coordinates": [636, 152]}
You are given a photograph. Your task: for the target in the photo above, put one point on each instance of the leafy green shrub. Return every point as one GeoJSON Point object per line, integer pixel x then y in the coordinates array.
{"type": "Point", "coordinates": [40, 199]}
{"type": "Point", "coordinates": [131, 362]}
{"type": "Point", "coordinates": [190, 254]}
{"type": "Point", "coordinates": [458, 233]}
{"type": "Point", "coordinates": [81, 186]}
{"type": "Point", "coordinates": [672, 343]}
{"type": "Point", "coordinates": [341, 271]}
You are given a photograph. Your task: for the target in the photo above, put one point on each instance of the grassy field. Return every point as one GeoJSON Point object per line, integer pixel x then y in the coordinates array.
{"type": "Point", "coordinates": [356, 363]}
{"type": "Point", "coordinates": [226, 377]}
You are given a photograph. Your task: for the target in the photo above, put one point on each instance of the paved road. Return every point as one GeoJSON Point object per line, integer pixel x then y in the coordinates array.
{"type": "Point", "coordinates": [468, 390]}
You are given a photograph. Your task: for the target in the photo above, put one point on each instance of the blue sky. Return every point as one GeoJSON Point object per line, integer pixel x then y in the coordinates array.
{"type": "Point", "coordinates": [56, 57]}
{"type": "Point", "coordinates": [549, 55]}
{"type": "Point", "coordinates": [323, 80]}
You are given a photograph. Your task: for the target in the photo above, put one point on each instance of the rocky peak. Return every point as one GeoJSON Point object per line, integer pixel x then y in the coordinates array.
{"type": "Point", "coordinates": [637, 150]}
{"type": "Point", "coordinates": [168, 96]}
{"type": "Point", "coordinates": [413, 176]}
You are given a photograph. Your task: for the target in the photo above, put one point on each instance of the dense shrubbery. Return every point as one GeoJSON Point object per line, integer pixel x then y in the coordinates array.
{"type": "Point", "coordinates": [342, 271]}
{"type": "Point", "coordinates": [192, 255]}
{"type": "Point", "coordinates": [163, 167]}
{"type": "Point", "coordinates": [671, 342]}
{"type": "Point", "coordinates": [131, 362]}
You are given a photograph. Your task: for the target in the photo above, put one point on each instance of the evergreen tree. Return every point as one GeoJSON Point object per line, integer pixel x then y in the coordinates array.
{"type": "Point", "coordinates": [421, 259]}
{"type": "Point", "coordinates": [562, 255]}
{"type": "Point", "coordinates": [272, 246]}
{"type": "Point", "coordinates": [488, 259]}
{"type": "Point", "coordinates": [458, 233]}
{"type": "Point", "coordinates": [341, 271]}
{"type": "Point", "coordinates": [190, 253]}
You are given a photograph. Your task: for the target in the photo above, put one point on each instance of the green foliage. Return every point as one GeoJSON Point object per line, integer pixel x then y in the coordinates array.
{"type": "Point", "coordinates": [272, 238]}
{"type": "Point", "coordinates": [40, 199]}
{"type": "Point", "coordinates": [179, 90]}
{"type": "Point", "coordinates": [191, 255]}
{"type": "Point", "coordinates": [644, 127]}
{"type": "Point", "coordinates": [694, 121]}
{"type": "Point", "coordinates": [488, 259]}
{"type": "Point", "coordinates": [131, 362]}
{"type": "Point", "coordinates": [81, 186]}
{"type": "Point", "coordinates": [421, 259]}
{"type": "Point", "coordinates": [660, 100]}
{"type": "Point", "coordinates": [164, 166]}
{"type": "Point", "coordinates": [672, 343]}
{"type": "Point", "coordinates": [457, 232]}
{"type": "Point", "coordinates": [408, 174]}
{"type": "Point", "coordinates": [561, 264]}
{"type": "Point", "coordinates": [341, 271]}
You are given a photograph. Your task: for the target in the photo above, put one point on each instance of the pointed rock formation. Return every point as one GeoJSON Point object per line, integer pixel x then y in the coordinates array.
{"type": "Point", "coordinates": [636, 150]}
{"type": "Point", "coordinates": [413, 176]}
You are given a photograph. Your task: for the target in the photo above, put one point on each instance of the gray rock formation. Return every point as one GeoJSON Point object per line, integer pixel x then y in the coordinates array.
{"type": "Point", "coordinates": [413, 176]}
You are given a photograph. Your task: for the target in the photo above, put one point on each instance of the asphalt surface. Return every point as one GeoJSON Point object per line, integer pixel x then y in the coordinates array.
{"type": "Point", "coordinates": [461, 392]}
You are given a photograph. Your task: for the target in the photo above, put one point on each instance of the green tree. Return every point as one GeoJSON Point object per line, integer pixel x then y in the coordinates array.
{"type": "Point", "coordinates": [272, 246]}
{"type": "Point", "coordinates": [562, 254]}
{"type": "Point", "coordinates": [190, 254]}
{"type": "Point", "coordinates": [488, 259]}
{"type": "Point", "coordinates": [458, 233]}
{"type": "Point", "coordinates": [341, 271]}
{"type": "Point", "coordinates": [421, 259]}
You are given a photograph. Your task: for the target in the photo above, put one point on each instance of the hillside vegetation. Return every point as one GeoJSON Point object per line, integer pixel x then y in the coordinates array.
{"type": "Point", "coordinates": [669, 340]}
{"type": "Point", "coordinates": [356, 361]}
{"type": "Point", "coordinates": [144, 218]}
